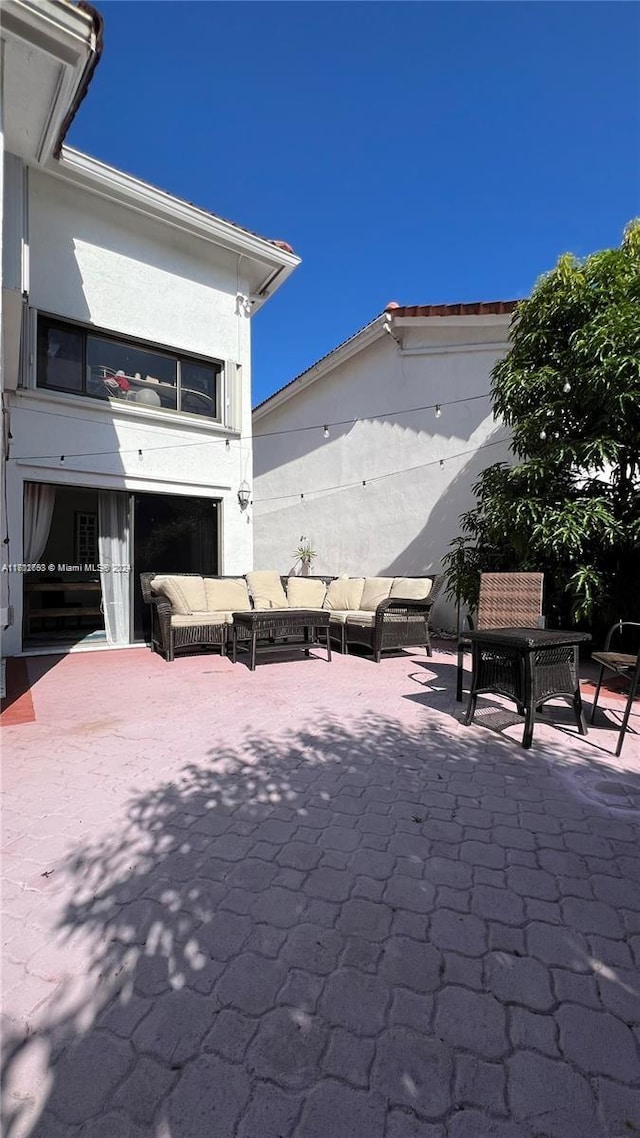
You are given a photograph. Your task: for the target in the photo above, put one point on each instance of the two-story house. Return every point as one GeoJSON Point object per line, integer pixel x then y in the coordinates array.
{"type": "Point", "coordinates": [125, 363]}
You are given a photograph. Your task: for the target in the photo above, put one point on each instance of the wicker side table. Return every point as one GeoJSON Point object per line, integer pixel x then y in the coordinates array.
{"type": "Point", "coordinates": [529, 666]}
{"type": "Point", "coordinates": [306, 628]}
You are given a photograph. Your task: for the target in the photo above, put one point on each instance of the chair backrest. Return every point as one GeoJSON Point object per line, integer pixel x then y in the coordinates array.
{"type": "Point", "coordinates": [510, 600]}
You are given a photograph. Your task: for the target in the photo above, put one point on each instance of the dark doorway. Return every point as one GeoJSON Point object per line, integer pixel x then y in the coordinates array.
{"type": "Point", "coordinates": [172, 535]}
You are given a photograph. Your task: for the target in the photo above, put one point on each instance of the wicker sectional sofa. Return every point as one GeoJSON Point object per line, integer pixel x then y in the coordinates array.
{"type": "Point", "coordinates": [378, 613]}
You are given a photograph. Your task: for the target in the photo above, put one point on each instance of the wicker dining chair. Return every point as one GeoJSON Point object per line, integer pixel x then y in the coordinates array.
{"type": "Point", "coordinates": [621, 664]}
{"type": "Point", "coordinates": [506, 600]}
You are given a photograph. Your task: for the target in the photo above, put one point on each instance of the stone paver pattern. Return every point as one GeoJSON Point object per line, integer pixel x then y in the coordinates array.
{"type": "Point", "coordinates": [308, 902]}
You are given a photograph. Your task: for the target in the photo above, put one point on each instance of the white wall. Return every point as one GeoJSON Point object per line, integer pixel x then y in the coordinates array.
{"type": "Point", "coordinates": [96, 262]}
{"type": "Point", "coordinates": [402, 524]}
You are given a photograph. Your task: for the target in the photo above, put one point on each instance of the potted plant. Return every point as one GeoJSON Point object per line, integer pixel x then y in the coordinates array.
{"type": "Point", "coordinates": [305, 555]}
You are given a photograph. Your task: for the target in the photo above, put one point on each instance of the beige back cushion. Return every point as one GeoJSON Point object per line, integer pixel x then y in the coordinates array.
{"type": "Point", "coordinates": [344, 593]}
{"type": "Point", "coordinates": [232, 596]}
{"type": "Point", "coordinates": [187, 594]}
{"type": "Point", "coordinates": [411, 588]}
{"type": "Point", "coordinates": [376, 589]}
{"type": "Point", "coordinates": [266, 589]}
{"type": "Point", "coordinates": [306, 594]}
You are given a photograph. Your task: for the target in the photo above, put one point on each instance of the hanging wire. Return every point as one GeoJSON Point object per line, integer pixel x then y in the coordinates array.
{"type": "Point", "coordinates": [239, 438]}
{"type": "Point", "coordinates": [380, 477]}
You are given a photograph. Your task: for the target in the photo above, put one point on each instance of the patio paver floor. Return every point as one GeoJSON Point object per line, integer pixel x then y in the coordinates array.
{"type": "Point", "coordinates": [308, 902]}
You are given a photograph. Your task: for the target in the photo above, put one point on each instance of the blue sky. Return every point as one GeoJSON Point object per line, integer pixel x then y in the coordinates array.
{"type": "Point", "coordinates": [418, 152]}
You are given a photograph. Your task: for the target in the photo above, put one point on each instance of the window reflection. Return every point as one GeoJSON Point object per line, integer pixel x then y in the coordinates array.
{"type": "Point", "coordinates": [135, 374]}
{"type": "Point", "coordinates": [70, 359]}
{"type": "Point", "coordinates": [60, 352]}
{"type": "Point", "coordinates": [197, 388]}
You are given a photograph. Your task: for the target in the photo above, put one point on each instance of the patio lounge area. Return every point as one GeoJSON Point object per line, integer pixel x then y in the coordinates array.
{"type": "Point", "coordinates": [309, 902]}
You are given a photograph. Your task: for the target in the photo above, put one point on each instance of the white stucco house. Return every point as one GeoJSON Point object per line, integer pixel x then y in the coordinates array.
{"type": "Point", "coordinates": [125, 361]}
{"type": "Point", "coordinates": [373, 451]}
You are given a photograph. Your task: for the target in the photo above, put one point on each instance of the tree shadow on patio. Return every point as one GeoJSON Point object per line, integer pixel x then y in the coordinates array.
{"type": "Point", "coordinates": [217, 917]}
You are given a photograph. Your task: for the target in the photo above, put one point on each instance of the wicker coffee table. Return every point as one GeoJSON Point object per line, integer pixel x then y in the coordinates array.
{"type": "Point", "coordinates": [258, 631]}
{"type": "Point", "coordinates": [529, 666]}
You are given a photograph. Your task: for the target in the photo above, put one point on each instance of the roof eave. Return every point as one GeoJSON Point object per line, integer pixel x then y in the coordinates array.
{"type": "Point", "coordinates": [68, 34]}
{"type": "Point", "coordinates": [106, 181]}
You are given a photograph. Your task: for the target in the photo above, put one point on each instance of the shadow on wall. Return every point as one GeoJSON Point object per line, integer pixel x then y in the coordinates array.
{"type": "Point", "coordinates": [210, 943]}
{"type": "Point", "coordinates": [270, 453]}
{"type": "Point", "coordinates": [424, 554]}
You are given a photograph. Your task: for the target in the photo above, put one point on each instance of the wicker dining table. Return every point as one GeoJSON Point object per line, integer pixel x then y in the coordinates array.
{"type": "Point", "coordinates": [529, 666]}
{"type": "Point", "coordinates": [263, 631]}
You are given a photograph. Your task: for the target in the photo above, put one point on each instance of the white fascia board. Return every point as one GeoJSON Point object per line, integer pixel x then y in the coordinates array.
{"type": "Point", "coordinates": [66, 34]}
{"type": "Point", "coordinates": [363, 339]}
{"type": "Point", "coordinates": [452, 349]}
{"type": "Point", "coordinates": [96, 177]}
{"type": "Point", "coordinates": [485, 321]}
{"type": "Point", "coordinates": [60, 29]}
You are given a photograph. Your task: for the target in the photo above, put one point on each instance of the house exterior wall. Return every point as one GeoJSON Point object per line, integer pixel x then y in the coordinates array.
{"type": "Point", "coordinates": [98, 263]}
{"type": "Point", "coordinates": [401, 524]}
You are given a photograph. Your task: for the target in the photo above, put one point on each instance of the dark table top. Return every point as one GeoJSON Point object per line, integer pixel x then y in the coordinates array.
{"type": "Point", "coordinates": [529, 637]}
{"type": "Point", "coordinates": [275, 616]}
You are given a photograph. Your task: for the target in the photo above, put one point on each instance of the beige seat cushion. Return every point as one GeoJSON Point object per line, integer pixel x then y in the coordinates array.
{"type": "Point", "coordinates": [361, 617]}
{"type": "Point", "coordinates": [411, 588]}
{"type": "Point", "coordinates": [181, 620]}
{"type": "Point", "coordinates": [266, 589]}
{"type": "Point", "coordinates": [376, 589]}
{"type": "Point", "coordinates": [187, 594]}
{"type": "Point", "coordinates": [345, 593]}
{"type": "Point", "coordinates": [231, 595]}
{"type": "Point", "coordinates": [339, 616]}
{"type": "Point", "coordinates": [303, 593]}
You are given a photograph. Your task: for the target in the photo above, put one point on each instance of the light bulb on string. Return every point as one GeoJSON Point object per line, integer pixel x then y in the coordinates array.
{"type": "Point", "coordinates": [325, 431]}
{"type": "Point", "coordinates": [543, 434]}
{"type": "Point", "coordinates": [441, 462]}
{"type": "Point", "coordinates": [566, 387]}
{"type": "Point", "coordinates": [438, 411]}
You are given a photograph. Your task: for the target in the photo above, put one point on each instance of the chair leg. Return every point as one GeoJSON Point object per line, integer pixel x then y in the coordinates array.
{"type": "Point", "coordinates": [428, 644]}
{"type": "Point", "coordinates": [595, 698]}
{"type": "Point", "coordinates": [627, 713]}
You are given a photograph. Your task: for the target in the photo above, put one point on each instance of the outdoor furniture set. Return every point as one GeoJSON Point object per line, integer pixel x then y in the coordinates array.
{"type": "Point", "coordinates": [513, 654]}
{"type": "Point", "coordinates": [262, 608]}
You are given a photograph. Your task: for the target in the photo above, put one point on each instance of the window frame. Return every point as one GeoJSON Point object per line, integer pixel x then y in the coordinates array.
{"type": "Point", "coordinates": [87, 330]}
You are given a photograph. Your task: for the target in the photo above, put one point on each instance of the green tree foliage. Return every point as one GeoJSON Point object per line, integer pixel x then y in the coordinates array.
{"type": "Point", "coordinates": [569, 390]}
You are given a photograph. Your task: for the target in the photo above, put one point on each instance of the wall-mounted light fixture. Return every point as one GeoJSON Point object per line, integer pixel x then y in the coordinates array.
{"type": "Point", "coordinates": [244, 495]}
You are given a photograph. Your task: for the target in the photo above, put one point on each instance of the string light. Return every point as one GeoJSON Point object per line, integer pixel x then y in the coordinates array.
{"type": "Point", "coordinates": [437, 407]}
{"type": "Point", "coordinates": [140, 455]}
{"type": "Point", "coordinates": [380, 477]}
{"type": "Point", "coordinates": [567, 387]}
{"type": "Point", "coordinates": [441, 462]}
{"type": "Point", "coordinates": [325, 431]}
{"type": "Point", "coordinates": [227, 444]}
{"type": "Point", "coordinates": [61, 458]}
{"type": "Point", "coordinates": [543, 434]}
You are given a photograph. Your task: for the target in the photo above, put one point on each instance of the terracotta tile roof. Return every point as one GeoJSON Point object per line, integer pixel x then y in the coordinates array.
{"type": "Point", "coordinates": [474, 308]}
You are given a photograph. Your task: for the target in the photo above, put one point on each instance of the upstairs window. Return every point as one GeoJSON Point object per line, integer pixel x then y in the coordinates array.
{"type": "Point", "coordinates": [102, 367]}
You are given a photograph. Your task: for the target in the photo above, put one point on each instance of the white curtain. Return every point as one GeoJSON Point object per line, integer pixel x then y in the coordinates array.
{"type": "Point", "coordinates": [113, 552]}
{"type": "Point", "coordinates": [39, 501]}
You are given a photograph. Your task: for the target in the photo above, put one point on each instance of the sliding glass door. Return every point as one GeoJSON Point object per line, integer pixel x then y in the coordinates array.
{"type": "Point", "coordinates": [171, 535]}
